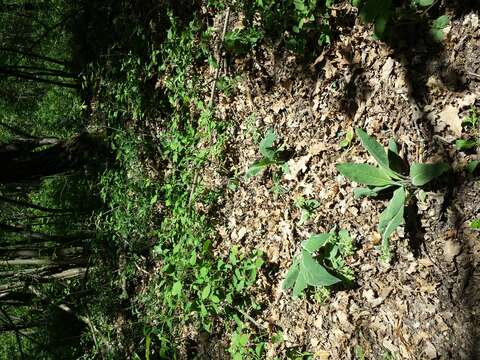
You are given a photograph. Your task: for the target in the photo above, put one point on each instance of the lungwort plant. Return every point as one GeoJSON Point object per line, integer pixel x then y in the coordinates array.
{"type": "Point", "coordinates": [322, 255]}
{"type": "Point", "coordinates": [390, 175]}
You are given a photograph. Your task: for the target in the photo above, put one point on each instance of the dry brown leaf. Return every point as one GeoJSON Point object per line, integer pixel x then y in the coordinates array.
{"type": "Point", "coordinates": [449, 117]}
{"type": "Point", "coordinates": [451, 249]}
{"type": "Point", "coordinates": [297, 166]}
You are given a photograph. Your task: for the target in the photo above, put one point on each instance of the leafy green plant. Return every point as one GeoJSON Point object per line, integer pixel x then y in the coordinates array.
{"type": "Point", "coordinates": [321, 255]}
{"type": "Point", "coordinates": [345, 143]}
{"type": "Point", "coordinates": [475, 224]}
{"type": "Point", "coordinates": [471, 123]}
{"type": "Point", "coordinates": [436, 29]}
{"type": "Point", "coordinates": [307, 207]}
{"type": "Point", "coordinates": [240, 41]}
{"type": "Point", "coordinates": [270, 156]}
{"type": "Point", "coordinates": [389, 175]}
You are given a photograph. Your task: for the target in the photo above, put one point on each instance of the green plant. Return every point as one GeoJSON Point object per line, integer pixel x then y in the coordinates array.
{"type": "Point", "coordinates": [386, 14]}
{"type": "Point", "coordinates": [471, 124]}
{"type": "Point", "coordinates": [307, 207]}
{"type": "Point", "coordinates": [270, 156]}
{"type": "Point", "coordinates": [321, 255]}
{"type": "Point", "coordinates": [475, 224]}
{"type": "Point", "coordinates": [388, 176]}
{"type": "Point", "coordinates": [240, 41]}
{"type": "Point", "coordinates": [345, 143]}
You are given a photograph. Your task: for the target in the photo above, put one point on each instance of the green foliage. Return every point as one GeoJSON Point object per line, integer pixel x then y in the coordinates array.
{"type": "Point", "coordinates": [321, 255]}
{"type": "Point", "coordinates": [307, 207]}
{"type": "Point", "coordinates": [436, 29]}
{"type": "Point", "coordinates": [390, 175]}
{"type": "Point", "coordinates": [270, 156]}
{"type": "Point", "coordinates": [386, 14]}
{"type": "Point", "coordinates": [475, 224]}
{"type": "Point", "coordinates": [345, 143]}
{"type": "Point", "coordinates": [302, 25]}
{"type": "Point", "coordinates": [470, 123]}
{"type": "Point", "coordinates": [241, 41]}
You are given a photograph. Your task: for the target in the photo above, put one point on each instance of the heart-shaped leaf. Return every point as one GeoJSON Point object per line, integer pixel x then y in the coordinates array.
{"type": "Point", "coordinates": [292, 275]}
{"type": "Point", "coordinates": [365, 174]}
{"type": "Point", "coordinates": [315, 242]}
{"type": "Point", "coordinates": [314, 273]}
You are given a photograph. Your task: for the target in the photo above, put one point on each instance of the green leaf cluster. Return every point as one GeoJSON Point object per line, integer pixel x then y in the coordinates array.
{"type": "Point", "coordinates": [270, 156]}
{"type": "Point", "coordinates": [390, 175]}
{"type": "Point", "coordinates": [470, 123]}
{"type": "Point", "coordinates": [322, 255]}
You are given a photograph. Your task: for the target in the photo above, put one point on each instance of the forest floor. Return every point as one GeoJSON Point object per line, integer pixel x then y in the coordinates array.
{"type": "Point", "coordinates": [423, 304]}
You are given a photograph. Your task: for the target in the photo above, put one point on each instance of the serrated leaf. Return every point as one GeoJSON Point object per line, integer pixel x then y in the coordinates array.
{"type": "Point", "coordinates": [424, 2]}
{"type": "Point", "coordinates": [365, 174]}
{"type": "Point", "coordinates": [314, 273]}
{"type": "Point", "coordinates": [392, 216]}
{"type": "Point", "coordinates": [472, 166]}
{"type": "Point", "coordinates": [421, 174]}
{"type": "Point", "coordinates": [315, 242]}
{"type": "Point", "coordinates": [292, 275]}
{"type": "Point", "coordinates": [362, 192]}
{"type": "Point", "coordinates": [266, 145]}
{"type": "Point", "coordinates": [257, 167]}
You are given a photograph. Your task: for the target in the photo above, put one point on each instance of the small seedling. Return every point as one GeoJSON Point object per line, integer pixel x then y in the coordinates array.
{"type": "Point", "coordinates": [345, 143]}
{"type": "Point", "coordinates": [471, 123]}
{"type": "Point", "coordinates": [307, 207]}
{"type": "Point", "coordinates": [475, 224]}
{"type": "Point", "coordinates": [390, 175]}
{"type": "Point", "coordinates": [321, 255]}
{"type": "Point", "coordinates": [270, 156]}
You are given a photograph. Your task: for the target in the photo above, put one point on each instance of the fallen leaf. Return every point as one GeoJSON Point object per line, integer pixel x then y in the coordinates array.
{"type": "Point", "coordinates": [297, 166]}
{"type": "Point", "coordinates": [449, 117]}
{"type": "Point", "coordinates": [451, 249]}
{"type": "Point", "coordinates": [317, 148]}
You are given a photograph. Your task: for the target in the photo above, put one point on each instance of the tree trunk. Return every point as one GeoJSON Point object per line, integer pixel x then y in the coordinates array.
{"type": "Point", "coordinates": [20, 165]}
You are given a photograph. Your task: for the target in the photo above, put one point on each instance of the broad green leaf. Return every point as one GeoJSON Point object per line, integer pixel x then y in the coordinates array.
{"type": "Point", "coordinates": [266, 145]}
{"type": "Point", "coordinates": [421, 174]}
{"type": "Point", "coordinates": [257, 167]}
{"type": "Point", "coordinates": [300, 285]}
{"type": "Point", "coordinates": [365, 174]}
{"type": "Point", "coordinates": [436, 30]}
{"type": "Point", "coordinates": [472, 166]}
{"type": "Point", "coordinates": [465, 144]}
{"type": "Point", "coordinates": [315, 242]}
{"type": "Point", "coordinates": [176, 288]}
{"type": "Point", "coordinates": [292, 275]}
{"type": "Point", "coordinates": [441, 22]}
{"type": "Point", "coordinates": [475, 224]}
{"type": "Point", "coordinates": [424, 2]}
{"type": "Point", "coordinates": [373, 147]}
{"type": "Point", "coordinates": [206, 292]}
{"type": "Point", "coordinates": [392, 216]}
{"type": "Point", "coordinates": [314, 273]}
{"type": "Point", "coordinates": [362, 192]}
